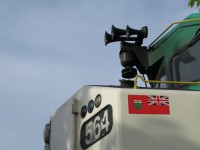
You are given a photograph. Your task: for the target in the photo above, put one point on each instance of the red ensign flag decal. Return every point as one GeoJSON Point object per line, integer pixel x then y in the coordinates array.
{"type": "Point", "coordinates": [148, 104]}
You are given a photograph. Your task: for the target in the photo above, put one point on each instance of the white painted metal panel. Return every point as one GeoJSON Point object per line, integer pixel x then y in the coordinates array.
{"type": "Point", "coordinates": [177, 131]}
{"type": "Point", "coordinates": [62, 128]}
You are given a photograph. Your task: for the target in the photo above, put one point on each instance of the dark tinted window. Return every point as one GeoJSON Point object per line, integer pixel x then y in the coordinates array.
{"type": "Point", "coordinates": [185, 66]}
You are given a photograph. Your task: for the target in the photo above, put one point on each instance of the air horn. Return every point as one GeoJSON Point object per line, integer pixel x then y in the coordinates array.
{"type": "Point", "coordinates": [129, 51]}
{"type": "Point", "coordinates": [126, 35]}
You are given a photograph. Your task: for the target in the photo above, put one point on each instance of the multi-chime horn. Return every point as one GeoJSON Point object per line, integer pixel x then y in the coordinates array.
{"type": "Point", "coordinates": [128, 55]}
{"type": "Point", "coordinates": [125, 35]}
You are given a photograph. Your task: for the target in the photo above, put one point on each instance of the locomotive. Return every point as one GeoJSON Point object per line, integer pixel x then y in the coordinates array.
{"type": "Point", "coordinates": [163, 115]}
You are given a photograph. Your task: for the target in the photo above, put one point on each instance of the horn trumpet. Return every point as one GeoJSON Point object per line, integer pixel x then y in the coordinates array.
{"type": "Point", "coordinates": [117, 32]}
{"type": "Point", "coordinates": [143, 33]}
{"type": "Point", "coordinates": [108, 38]}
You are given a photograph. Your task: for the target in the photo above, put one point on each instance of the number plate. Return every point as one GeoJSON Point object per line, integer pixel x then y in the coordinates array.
{"type": "Point", "coordinates": [97, 127]}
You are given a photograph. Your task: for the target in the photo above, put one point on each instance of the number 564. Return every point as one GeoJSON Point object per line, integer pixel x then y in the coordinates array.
{"type": "Point", "coordinates": [97, 127]}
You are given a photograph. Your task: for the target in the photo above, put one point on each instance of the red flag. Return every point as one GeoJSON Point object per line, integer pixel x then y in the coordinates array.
{"type": "Point", "coordinates": [148, 104]}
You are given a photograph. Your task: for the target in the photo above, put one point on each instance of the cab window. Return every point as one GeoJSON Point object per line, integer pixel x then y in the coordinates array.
{"type": "Point", "coordinates": [185, 65]}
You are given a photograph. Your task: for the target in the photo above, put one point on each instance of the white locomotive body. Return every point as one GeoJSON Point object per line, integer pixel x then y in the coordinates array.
{"type": "Point", "coordinates": [120, 123]}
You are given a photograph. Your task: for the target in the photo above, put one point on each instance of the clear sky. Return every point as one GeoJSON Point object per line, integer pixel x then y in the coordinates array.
{"type": "Point", "coordinates": [51, 48]}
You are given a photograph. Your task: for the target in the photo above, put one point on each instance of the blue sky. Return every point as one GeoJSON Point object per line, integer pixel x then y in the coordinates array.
{"type": "Point", "coordinates": [51, 48]}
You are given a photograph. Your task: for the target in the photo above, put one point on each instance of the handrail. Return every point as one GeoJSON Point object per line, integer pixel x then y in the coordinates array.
{"type": "Point", "coordinates": [183, 21]}
{"type": "Point", "coordinates": [156, 81]}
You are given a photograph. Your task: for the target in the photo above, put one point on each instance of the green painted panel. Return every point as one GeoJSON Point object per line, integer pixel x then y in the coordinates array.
{"type": "Point", "coordinates": [193, 87]}
{"type": "Point", "coordinates": [175, 39]}
{"type": "Point", "coordinates": [172, 42]}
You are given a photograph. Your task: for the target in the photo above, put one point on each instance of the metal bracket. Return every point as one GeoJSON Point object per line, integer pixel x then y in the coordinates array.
{"type": "Point", "coordinates": [74, 107]}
